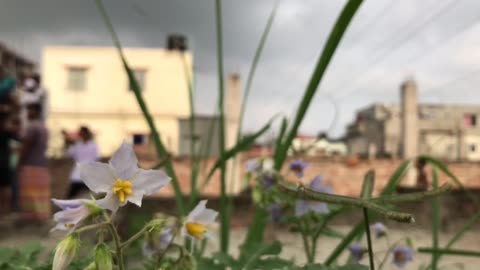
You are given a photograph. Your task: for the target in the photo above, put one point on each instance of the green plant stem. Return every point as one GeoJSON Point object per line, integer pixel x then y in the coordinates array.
{"type": "Point", "coordinates": [91, 227]}
{"type": "Point", "coordinates": [417, 196]}
{"type": "Point", "coordinates": [118, 247]}
{"type": "Point", "coordinates": [435, 220]}
{"type": "Point", "coordinates": [253, 67]}
{"type": "Point", "coordinates": [161, 150]}
{"type": "Point", "coordinates": [328, 51]}
{"type": "Point", "coordinates": [193, 153]}
{"type": "Point", "coordinates": [302, 192]}
{"type": "Point", "coordinates": [369, 239]}
{"type": "Point", "coordinates": [134, 237]}
{"type": "Point", "coordinates": [452, 252]}
{"type": "Point", "coordinates": [224, 218]}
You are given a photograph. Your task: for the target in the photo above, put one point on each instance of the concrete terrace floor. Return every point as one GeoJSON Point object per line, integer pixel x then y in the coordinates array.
{"type": "Point", "coordinates": [293, 245]}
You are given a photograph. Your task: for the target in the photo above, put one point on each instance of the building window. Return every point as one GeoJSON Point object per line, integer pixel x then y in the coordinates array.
{"type": "Point", "coordinates": [470, 120]}
{"type": "Point", "coordinates": [77, 78]}
{"type": "Point", "coordinates": [473, 148]}
{"type": "Point", "coordinates": [140, 76]}
{"type": "Point", "coordinates": [139, 139]}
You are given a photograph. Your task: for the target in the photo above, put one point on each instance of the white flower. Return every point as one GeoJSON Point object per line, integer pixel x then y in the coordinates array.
{"type": "Point", "coordinates": [196, 224]}
{"type": "Point", "coordinates": [65, 252]}
{"type": "Point", "coordinates": [121, 179]}
{"type": "Point", "coordinates": [73, 213]}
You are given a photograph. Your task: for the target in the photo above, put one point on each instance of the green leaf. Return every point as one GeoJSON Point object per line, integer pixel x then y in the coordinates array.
{"type": "Point", "coordinates": [281, 134]}
{"type": "Point", "coordinates": [255, 61]}
{"type": "Point", "coordinates": [253, 253]}
{"type": "Point", "coordinates": [327, 231]}
{"type": "Point", "coordinates": [329, 49]}
{"type": "Point", "coordinates": [351, 267]}
{"type": "Point", "coordinates": [315, 266]}
{"type": "Point", "coordinates": [368, 185]}
{"type": "Point", "coordinates": [358, 229]}
{"type": "Point", "coordinates": [257, 228]}
{"type": "Point", "coordinates": [435, 220]}
{"type": "Point", "coordinates": [442, 167]}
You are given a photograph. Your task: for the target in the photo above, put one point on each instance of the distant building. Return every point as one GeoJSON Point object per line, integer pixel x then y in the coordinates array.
{"type": "Point", "coordinates": [317, 146]}
{"type": "Point", "coordinates": [449, 132]}
{"type": "Point", "coordinates": [14, 63]}
{"type": "Point", "coordinates": [89, 86]}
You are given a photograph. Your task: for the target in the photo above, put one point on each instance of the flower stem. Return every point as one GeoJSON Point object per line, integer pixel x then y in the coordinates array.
{"type": "Point", "coordinates": [134, 237]}
{"type": "Point", "coordinates": [116, 239]}
{"type": "Point", "coordinates": [91, 227]}
{"type": "Point", "coordinates": [369, 239]}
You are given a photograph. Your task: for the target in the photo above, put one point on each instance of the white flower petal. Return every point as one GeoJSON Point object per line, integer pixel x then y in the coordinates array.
{"type": "Point", "coordinates": [202, 214]}
{"type": "Point", "coordinates": [135, 198]}
{"type": "Point", "coordinates": [97, 176]}
{"type": "Point", "coordinates": [65, 204]}
{"type": "Point", "coordinates": [110, 202]}
{"type": "Point", "coordinates": [124, 162]}
{"type": "Point", "coordinates": [149, 181]}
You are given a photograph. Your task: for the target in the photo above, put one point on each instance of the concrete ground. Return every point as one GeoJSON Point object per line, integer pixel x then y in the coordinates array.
{"type": "Point", "coordinates": [293, 245]}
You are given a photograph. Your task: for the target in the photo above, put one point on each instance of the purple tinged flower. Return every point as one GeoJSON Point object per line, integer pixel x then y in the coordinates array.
{"type": "Point", "coordinates": [275, 212]}
{"type": "Point", "coordinates": [379, 229]}
{"type": "Point", "coordinates": [357, 251]}
{"type": "Point", "coordinates": [402, 255]}
{"type": "Point", "coordinates": [73, 213]}
{"type": "Point", "coordinates": [159, 243]}
{"type": "Point", "coordinates": [298, 166]}
{"type": "Point", "coordinates": [253, 165]}
{"type": "Point", "coordinates": [268, 181]}
{"type": "Point", "coordinates": [302, 207]}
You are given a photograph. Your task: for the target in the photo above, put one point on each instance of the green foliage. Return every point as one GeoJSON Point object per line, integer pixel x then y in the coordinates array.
{"type": "Point", "coordinates": [26, 257]}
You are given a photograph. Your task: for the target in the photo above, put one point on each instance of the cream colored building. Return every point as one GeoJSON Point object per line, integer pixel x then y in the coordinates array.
{"type": "Point", "coordinates": [89, 86]}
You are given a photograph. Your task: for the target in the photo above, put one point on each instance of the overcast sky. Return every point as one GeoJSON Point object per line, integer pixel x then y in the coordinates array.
{"type": "Point", "coordinates": [435, 41]}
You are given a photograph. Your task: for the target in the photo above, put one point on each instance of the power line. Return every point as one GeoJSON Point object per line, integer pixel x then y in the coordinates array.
{"type": "Point", "coordinates": [422, 55]}
{"type": "Point", "coordinates": [398, 45]}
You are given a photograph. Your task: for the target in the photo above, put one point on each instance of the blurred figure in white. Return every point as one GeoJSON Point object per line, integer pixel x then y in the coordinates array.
{"type": "Point", "coordinates": [81, 149]}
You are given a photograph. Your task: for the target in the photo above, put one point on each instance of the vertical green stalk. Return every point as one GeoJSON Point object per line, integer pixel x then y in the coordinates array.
{"type": "Point", "coordinates": [330, 47]}
{"type": "Point", "coordinates": [161, 150]}
{"type": "Point", "coordinates": [253, 67]}
{"type": "Point", "coordinates": [369, 239]}
{"type": "Point", "coordinates": [224, 217]}
{"type": "Point", "coordinates": [435, 221]}
{"type": "Point", "coordinates": [193, 154]}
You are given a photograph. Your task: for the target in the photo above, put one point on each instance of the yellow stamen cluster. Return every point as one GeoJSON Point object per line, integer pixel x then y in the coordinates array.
{"type": "Point", "coordinates": [196, 230]}
{"type": "Point", "coordinates": [122, 189]}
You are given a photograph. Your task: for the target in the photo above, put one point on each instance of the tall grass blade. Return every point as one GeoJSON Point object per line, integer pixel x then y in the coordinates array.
{"type": "Point", "coordinates": [255, 61]}
{"type": "Point", "coordinates": [159, 146]}
{"type": "Point", "coordinates": [451, 252]}
{"type": "Point", "coordinates": [435, 220]}
{"type": "Point", "coordinates": [441, 166]}
{"type": "Point", "coordinates": [193, 153]}
{"type": "Point", "coordinates": [368, 185]}
{"type": "Point", "coordinates": [330, 47]}
{"type": "Point", "coordinates": [224, 211]}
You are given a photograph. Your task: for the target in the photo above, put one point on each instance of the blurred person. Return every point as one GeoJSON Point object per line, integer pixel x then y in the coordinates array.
{"type": "Point", "coordinates": [33, 173]}
{"type": "Point", "coordinates": [15, 147]}
{"type": "Point", "coordinates": [33, 93]}
{"type": "Point", "coordinates": [7, 88]}
{"type": "Point", "coordinates": [83, 150]}
{"type": "Point", "coordinates": [7, 133]}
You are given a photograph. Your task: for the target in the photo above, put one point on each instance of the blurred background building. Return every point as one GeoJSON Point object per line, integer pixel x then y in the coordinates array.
{"type": "Point", "coordinates": [449, 132]}
{"type": "Point", "coordinates": [14, 63]}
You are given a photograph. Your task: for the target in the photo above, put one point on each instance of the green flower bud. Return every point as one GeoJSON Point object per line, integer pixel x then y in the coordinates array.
{"type": "Point", "coordinates": [91, 266]}
{"type": "Point", "coordinates": [65, 251]}
{"type": "Point", "coordinates": [103, 257]}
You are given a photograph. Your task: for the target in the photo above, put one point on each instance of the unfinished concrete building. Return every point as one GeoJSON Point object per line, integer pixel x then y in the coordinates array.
{"type": "Point", "coordinates": [444, 131]}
